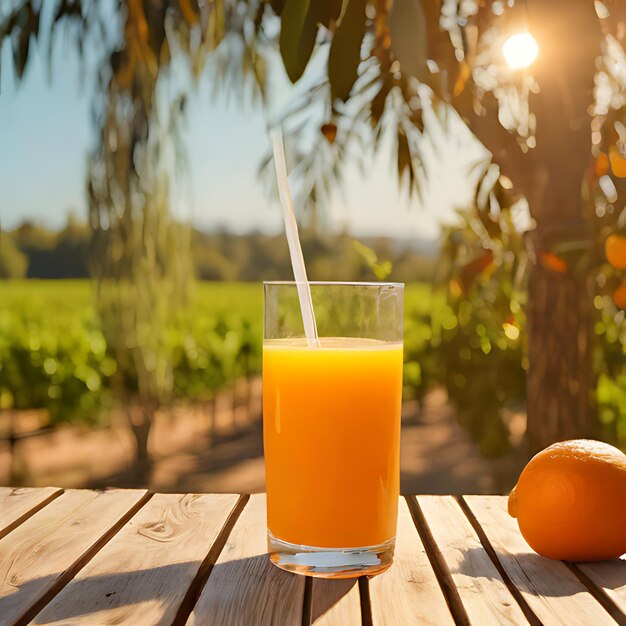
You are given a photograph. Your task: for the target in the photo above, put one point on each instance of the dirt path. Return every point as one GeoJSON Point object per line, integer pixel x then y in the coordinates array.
{"type": "Point", "coordinates": [436, 457]}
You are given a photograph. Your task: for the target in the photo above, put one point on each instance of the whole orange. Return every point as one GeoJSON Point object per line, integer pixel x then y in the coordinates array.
{"type": "Point", "coordinates": [553, 262]}
{"type": "Point", "coordinates": [618, 162]}
{"type": "Point", "coordinates": [570, 501]}
{"type": "Point", "coordinates": [601, 166]}
{"type": "Point", "coordinates": [619, 296]}
{"type": "Point", "coordinates": [615, 249]}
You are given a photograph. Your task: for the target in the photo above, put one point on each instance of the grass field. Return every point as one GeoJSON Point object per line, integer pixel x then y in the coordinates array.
{"type": "Point", "coordinates": [62, 297]}
{"type": "Point", "coordinates": [41, 300]}
{"type": "Point", "coordinates": [45, 300]}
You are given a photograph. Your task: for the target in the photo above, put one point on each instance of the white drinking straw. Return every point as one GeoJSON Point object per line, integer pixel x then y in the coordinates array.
{"type": "Point", "coordinates": [295, 250]}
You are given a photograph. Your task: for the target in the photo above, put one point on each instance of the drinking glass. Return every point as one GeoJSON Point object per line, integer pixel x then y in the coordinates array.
{"type": "Point", "coordinates": [331, 427]}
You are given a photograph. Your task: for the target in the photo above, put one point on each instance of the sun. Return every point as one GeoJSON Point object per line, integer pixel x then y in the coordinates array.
{"type": "Point", "coordinates": [520, 50]}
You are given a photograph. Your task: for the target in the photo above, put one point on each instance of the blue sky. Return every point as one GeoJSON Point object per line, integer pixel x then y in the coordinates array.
{"type": "Point", "coordinates": [45, 135]}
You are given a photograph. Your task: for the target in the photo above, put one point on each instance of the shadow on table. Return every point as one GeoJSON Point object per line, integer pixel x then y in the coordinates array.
{"type": "Point", "coordinates": [550, 574]}
{"type": "Point", "coordinates": [113, 592]}
{"type": "Point", "coordinates": [250, 591]}
{"type": "Point", "coordinates": [327, 593]}
{"type": "Point", "coordinates": [253, 592]}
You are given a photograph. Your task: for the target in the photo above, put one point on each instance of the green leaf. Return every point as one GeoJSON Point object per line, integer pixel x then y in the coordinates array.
{"type": "Point", "coordinates": [377, 106]}
{"type": "Point", "coordinates": [345, 50]}
{"type": "Point", "coordinates": [327, 11]}
{"type": "Point", "coordinates": [27, 23]}
{"type": "Point", "coordinates": [342, 10]}
{"type": "Point", "coordinates": [20, 53]}
{"type": "Point", "coordinates": [407, 27]}
{"type": "Point", "coordinates": [277, 6]}
{"type": "Point", "coordinates": [380, 269]}
{"type": "Point", "coordinates": [470, 271]}
{"type": "Point", "coordinates": [404, 154]}
{"type": "Point", "coordinates": [156, 19]}
{"type": "Point", "coordinates": [368, 255]}
{"type": "Point", "coordinates": [298, 30]}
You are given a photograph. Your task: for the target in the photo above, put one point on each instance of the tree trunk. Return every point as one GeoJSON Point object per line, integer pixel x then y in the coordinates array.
{"type": "Point", "coordinates": [560, 304]}
{"type": "Point", "coordinates": [551, 176]}
{"type": "Point", "coordinates": [141, 419]}
{"type": "Point", "coordinates": [560, 358]}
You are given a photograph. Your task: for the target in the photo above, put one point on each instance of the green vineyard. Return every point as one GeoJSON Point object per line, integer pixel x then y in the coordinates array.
{"type": "Point", "coordinates": [53, 355]}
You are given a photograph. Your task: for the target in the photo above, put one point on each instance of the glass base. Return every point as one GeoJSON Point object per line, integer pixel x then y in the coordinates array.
{"type": "Point", "coordinates": [330, 562]}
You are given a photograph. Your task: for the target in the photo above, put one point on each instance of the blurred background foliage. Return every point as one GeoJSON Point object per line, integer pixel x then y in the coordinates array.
{"type": "Point", "coordinates": [392, 72]}
{"type": "Point", "coordinates": [32, 251]}
{"type": "Point", "coordinates": [54, 355]}
{"type": "Point", "coordinates": [465, 331]}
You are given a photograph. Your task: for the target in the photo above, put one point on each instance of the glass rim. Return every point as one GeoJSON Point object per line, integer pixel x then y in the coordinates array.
{"type": "Point", "coordinates": [330, 283]}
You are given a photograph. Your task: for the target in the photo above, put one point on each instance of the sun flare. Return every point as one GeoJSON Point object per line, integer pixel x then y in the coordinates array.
{"type": "Point", "coordinates": [520, 50]}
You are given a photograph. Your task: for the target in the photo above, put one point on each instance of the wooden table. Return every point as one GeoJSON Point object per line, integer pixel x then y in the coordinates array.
{"type": "Point", "coordinates": [135, 557]}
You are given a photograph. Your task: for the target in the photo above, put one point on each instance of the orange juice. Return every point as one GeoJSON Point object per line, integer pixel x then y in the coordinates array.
{"type": "Point", "coordinates": [331, 421]}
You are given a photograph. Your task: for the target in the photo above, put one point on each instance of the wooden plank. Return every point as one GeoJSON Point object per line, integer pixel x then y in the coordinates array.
{"type": "Point", "coordinates": [408, 592]}
{"type": "Point", "coordinates": [551, 589]}
{"type": "Point", "coordinates": [335, 602]}
{"type": "Point", "coordinates": [609, 578]}
{"type": "Point", "coordinates": [482, 590]}
{"type": "Point", "coordinates": [244, 588]}
{"type": "Point", "coordinates": [17, 505]}
{"type": "Point", "coordinates": [43, 553]}
{"type": "Point", "coordinates": [141, 576]}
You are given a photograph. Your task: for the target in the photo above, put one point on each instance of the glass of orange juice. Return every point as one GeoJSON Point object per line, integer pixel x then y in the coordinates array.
{"type": "Point", "coordinates": [331, 427]}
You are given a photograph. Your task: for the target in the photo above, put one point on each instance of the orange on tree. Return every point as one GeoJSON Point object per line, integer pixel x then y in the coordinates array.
{"type": "Point", "coordinates": [553, 262]}
{"type": "Point", "coordinates": [618, 162]}
{"type": "Point", "coordinates": [601, 165]}
{"type": "Point", "coordinates": [615, 249]}
{"type": "Point", "coordinates": [570, 501]}
{"type": "Point", "coordinates": [472, 270]}
{"type": "Point", "coordinates": [329, 131]}
{"type": "Point", "coordinates": [619, 296]}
